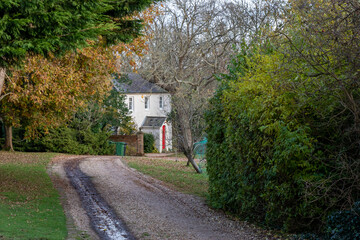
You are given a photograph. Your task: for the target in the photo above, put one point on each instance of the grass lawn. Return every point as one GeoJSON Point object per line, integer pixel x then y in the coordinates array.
{"type": "Point", "coordinates": [29, 205]}
{"type": "Point", "coordinates": [177, 155]}
{"type": "Point", "coordinates": [175, 174]}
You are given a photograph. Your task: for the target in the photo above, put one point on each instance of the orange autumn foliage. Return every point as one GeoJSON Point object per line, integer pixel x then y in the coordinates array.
{"type": "Point", "coordinates": [46, 92]}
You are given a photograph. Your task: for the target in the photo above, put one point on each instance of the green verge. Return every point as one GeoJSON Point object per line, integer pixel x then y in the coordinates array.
{"type": "Point", "coordinates": [29, 204]}
{"type": "Point", "coordinates": [175, 175]}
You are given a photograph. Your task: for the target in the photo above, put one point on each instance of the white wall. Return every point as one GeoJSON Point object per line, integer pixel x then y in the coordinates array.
{"type": "Point", "coordinates": [139, 113]}
{"type": "Point", "coordinates": [168, 137]}
{"type": "Point", "coordinates": [157, 133]}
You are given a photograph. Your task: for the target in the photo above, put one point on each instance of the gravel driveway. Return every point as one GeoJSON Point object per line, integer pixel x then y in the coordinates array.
{"type": "Point", "coordinates": [148, 208]}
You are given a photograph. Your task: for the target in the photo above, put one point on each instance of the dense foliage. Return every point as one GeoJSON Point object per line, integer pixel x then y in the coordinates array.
{"type": "Point", "coordinates": [58, 26]}
{"type": "Point", "coordinates": [86, 133]}
{"type": "Point", "coordinates": [339, 225]}
{"type": "Point", "coordinates": [149, 143]}
{"type": "Point", "coordinates": [344, 224]}
{"type": "Point", "coordinates": [68, 140]}
{"type": "Point", "coordinates": [283, 128]}
{"type": "Point", "coordinates": [47, 92]}
{"type": "Point", "coordinates": [33, 34]}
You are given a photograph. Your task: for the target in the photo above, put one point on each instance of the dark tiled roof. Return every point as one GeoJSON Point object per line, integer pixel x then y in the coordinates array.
{"type": "Point", "coordinates": [154, 121]}
{"type": "Point", "coordinates": [136, 84]}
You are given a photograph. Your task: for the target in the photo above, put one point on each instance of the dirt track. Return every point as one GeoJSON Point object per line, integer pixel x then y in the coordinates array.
{"type": "Point", "coordinates": [149, 209]}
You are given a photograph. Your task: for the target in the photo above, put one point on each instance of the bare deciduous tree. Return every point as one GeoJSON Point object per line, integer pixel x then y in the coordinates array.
{"type": "Point", "coordinates": [191, 42]}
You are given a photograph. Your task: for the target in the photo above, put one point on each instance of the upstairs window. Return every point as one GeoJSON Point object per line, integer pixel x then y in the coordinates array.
{"type": "Point", "coordinates": [161, 103]}
{"type": "Point", "coordinates": [131, 104]}
{"type": "Point", "coordinates": [147, 103]}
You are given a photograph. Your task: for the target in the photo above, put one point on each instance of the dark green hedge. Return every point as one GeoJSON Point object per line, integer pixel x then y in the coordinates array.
{"type": "Point", "coordinates": [149, 143]}
{"type": "Point", "coordinates": [66, 140]}
{"type": "Point", "coordinates": [280, 154]}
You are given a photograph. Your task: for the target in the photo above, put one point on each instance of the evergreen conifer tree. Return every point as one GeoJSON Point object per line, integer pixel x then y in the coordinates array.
{"type": "Point", "coordinates": [58, 26]}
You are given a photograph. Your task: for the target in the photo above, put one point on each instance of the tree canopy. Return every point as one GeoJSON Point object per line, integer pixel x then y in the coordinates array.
{"type": "Point", "coordinates": [191, 42]}
{"type": "Point", "coordinates": [57, 26]}
{"type": "Point", "coordinates": [61, 25]}
{"type": "Point", "coordinates": [283, 128]}
{"type": "Point", "coordinates": [46, 90]}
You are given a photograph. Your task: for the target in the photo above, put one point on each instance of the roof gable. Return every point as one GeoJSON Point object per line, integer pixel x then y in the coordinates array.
{"type": "Point", "coordinates": [155, 122]}
{"type": "Point", "coordinates": [137, 84]}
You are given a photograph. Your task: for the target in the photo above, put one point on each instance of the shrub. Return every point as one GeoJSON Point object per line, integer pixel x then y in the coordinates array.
{"type": "Point", "coordinates": [275, 153]}
{"type": "Point", "coordinates": [340, 225]}
{"type": "Point", "coordinates": [66, 140]}
{"type": "Point", "coordinates": [344, 224]}
{"type": "Point", "coordinates": [149, 143]}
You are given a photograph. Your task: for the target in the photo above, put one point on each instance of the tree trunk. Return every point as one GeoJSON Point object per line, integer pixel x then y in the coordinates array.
{"type": "Point", "coordinates": [190, 158]}
{"type": "Point", "coordinates": [186, 136]}
{"type": "Point", "coordinates": [8, 138]}
{"type": "Point", "coordinates": [8, 128]}
{"type": "Point", "coordinates": [2, 79]}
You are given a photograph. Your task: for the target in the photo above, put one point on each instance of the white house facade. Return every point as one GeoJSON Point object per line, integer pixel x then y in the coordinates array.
{"type": "Point", "coordinates": [149, 106]}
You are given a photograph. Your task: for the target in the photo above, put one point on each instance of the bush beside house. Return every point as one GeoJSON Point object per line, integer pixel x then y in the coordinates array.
{"type": "Point", "coordinates": [149, 143]}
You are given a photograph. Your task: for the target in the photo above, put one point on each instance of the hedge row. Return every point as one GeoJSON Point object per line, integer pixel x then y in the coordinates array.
{"type": "Point", "coordinates": [66, 140]}
{"type": "Point", "coordinates": [278, 150]}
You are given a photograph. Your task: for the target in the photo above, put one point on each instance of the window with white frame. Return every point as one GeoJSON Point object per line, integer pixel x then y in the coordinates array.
{"type": "Point", "coordinates": [131, 104]}
{"type": "Point", "coordinates": [161, 102]}
{"type": "Point", "coordinates": [147, 102]}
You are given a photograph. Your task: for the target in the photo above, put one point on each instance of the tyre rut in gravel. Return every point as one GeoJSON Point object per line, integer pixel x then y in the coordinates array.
{"type": "Point", "coordinates": [153, 211]}
{"type": "Point", "coordinates": [103, 219]}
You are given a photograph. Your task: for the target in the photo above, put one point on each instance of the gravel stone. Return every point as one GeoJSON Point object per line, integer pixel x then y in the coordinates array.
{"type": "Point", "coordinates": [149, 209]}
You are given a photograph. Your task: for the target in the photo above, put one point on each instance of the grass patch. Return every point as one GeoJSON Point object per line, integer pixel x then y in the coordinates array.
{"type": "Point", "coordinates": [29, 205]}
{"type": "Point", "coordinates": [177, 155]}
{"type": "Point", "coordinates": [175, 174]}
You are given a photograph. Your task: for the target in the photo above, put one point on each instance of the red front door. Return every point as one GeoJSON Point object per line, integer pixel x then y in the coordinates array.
{"type": "Point", "coordinates": [163, 137]}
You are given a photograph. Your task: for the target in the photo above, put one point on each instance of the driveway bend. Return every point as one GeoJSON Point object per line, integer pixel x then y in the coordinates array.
{"type": "Point", "coordinates": [145, 207]}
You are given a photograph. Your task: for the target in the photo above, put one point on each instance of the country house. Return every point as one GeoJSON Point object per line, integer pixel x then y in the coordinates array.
{"type": "Point", "coordinates": [149, 106]}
